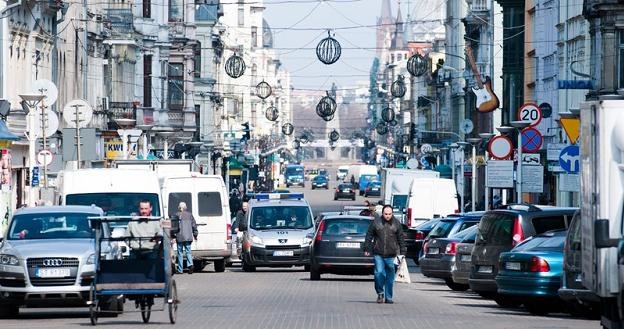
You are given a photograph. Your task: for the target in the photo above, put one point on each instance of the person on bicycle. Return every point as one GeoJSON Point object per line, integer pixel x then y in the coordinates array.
{"type": "Point", "coordinates": [144, 233]}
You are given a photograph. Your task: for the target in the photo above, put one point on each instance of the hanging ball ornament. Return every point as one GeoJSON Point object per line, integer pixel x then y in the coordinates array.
{"type": "Point", "coordinates": [381, 128]}
{"type": "Point", "coordinates": [263, 90]}
{"type": "Point", "coordinates": [271, 113]}
{"type": "Point", "coordinates": [398, 88]}
{"type": "Point", "coordinates": [328, 118]}
{"type": "Point", "coordinates": [288, 129]}
{"type": "Point", "coordinates": [235, 66]}
{"type": "Point", "coordinates": [393, 123]}
{"type": "Point", "coordinates": [387, 114]}
{"type": "Point", "coordinates": [417, 65]}
{"type": "Point", "coordinates": [304, 139]}
{"type": "Point", "coordinates": [326, 106]}
{"type": "Point", "coordinates": [328, 50]}
{"type": "Point", "coordinates": [334, 135]}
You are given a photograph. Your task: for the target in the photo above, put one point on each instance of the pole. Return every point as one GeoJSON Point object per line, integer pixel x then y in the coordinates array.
{"type": "Point", "coordinates": [453, 167]}
{"type": "Point", "coordinates": [474, 176]}
{"type": "Point", "coordinates": [77, 121]}
{"type": "Point", "coordinates": [165, 149]}
{"type": "Point", "coordinates": [227, 176]}
{"type": "Point", "coordinates": [85, 46]}
{"type": "Point", "coordinates": [463, 180]}
{"type": "Point", "coordinates": [519, 173]}
{"type": "Point", "coordinates": [45, 144]}
{"type": "Point", "coordinates": [32, 138]}
{"type": "Point", "coordinates": [487, 189]}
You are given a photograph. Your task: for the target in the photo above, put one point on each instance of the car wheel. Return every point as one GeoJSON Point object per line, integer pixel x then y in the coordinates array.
{"type": "Point", "coordinates": [456, 286]}
{"type": "Point", "coordinates": [353, 198]}
{"type": "Point", "coordinates": [415, 259]}
{"type": "Point", "coordinates": [335, 198]}
{"type": "Point", "coordinates": [247, 267]}
{"type": "Point", "coordinates": [315, 275]}
{"type": "Point", "coordinates": [537, 308]}
{"type": "Point", "coordinates": [219, 265]}
{"type": "Point", "coordinates": [506, 301]}
{"type": "Point", "coordinates": [8, 311]}
{"type": "Point", "coordinates": [198, 265]}
{"type": "Point", "coordinates": [306, 268]}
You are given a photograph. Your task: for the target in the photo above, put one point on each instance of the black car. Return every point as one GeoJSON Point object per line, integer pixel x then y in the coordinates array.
{"type": "Point", "coordinates": [463, 258]}
{"type": "Point", "coordinates": [502, 229]}
{"type": "Point", "coordinates": [338, 247]}
{"type": "Point", "coordinates": [373, 189]}
{"type": "Point", "coordinates": [450, 225]}
{"type": "Point", "coordinates": [320, 182]}
{"type": "Point", "coordinates": [440, 256]}
{"type": "Point", "coordinates": [345, 191]}
{"type": "Point", "coordinates": [419, 233]}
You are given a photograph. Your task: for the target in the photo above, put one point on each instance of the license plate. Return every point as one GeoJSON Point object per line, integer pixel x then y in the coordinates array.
{"type": "Point", "coordinates": [466, 258]}
{"type": "Point", "coordinates": [346, 191]}
{"type": "Point", "coordinates": [512, 266]}
{"type": "Point", "coordinates": [433, 251]}
{"type": "Point", "coordinates": [375, 189]}
{"type": "Point", "coordinates": [578, 277]}
{"type": "Point", "coordinates": [52, 272]}
{"type": "Point", "coordinates": [485, 269]}
{"type": "Point", "coordinates": [355, 245]}
{"type": "Point", "coordinates": [283, 253]}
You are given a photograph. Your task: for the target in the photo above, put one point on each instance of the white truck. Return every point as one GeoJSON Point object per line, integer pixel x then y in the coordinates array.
{"type": "Point", "coordinates": [358, 170]}
{"type": "Point", "coordinates": [602, 204]}
{"type": "Point", "coordinates": [395, 184]}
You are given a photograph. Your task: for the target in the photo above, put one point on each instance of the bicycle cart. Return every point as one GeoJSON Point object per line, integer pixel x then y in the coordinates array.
{"type": "Point", "coordinates": [136, 268]}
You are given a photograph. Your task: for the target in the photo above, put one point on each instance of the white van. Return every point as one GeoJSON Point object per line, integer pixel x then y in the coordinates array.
{"type": "Point", "coordinates": [207, 199]}
{"type": "Point", "coordinates": [429, 198]}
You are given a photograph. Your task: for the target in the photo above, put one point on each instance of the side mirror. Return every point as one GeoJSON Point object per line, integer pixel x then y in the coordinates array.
{"type": "Point", "coordinates": [601, 235]}
{"type": "Point", "coordinates": [175, 225]}
{"type": "Point", "coordinates": [124, 249]}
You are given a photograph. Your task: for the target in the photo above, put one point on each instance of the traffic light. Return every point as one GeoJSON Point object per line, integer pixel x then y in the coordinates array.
{"type": "Point", "coordinates": [247, 134]}
{"type": "Point", "coordinates": [413, 132]}
{"type": "Point", "coordinates": [27, 177]}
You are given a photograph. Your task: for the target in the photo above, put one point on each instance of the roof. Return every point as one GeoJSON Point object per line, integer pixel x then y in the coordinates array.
{"type": "Point", "coordinates": [59, 209]}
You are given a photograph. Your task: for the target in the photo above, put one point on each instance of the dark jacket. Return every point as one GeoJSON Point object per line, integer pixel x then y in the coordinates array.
{"type": "Point", "coordinates": [188, 227]}
{"type": "Point", "coordinates": [385, 238]}
{"type": "Point", "coordinates": [368, 212]}
{"type": "Point", "coordinates": [240, 220]}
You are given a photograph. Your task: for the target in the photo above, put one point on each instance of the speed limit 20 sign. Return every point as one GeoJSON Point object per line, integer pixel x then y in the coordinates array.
{"type": "Point", "coordinates": [530, 112]}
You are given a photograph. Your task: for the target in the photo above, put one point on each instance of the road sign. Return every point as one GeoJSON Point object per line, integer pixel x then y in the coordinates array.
{"type": "Point", "coordinates": [533, 179]}
{"type": "Point", "coordinates": [546, 110]}
{"type": "Point", "coordinates": [35, 177]}
{"type": "Point", "coordinates": [569, 182]}
{"type": "Point", "coordinates": [531, 159]}
{"type": "Point", "coordinates": [572, 128]}
{"type": "Point", "coordinates": [530, 112]}
{"type": "Point", "coordinates": [570, 159]}
{"type": "Point", "coordinates": [426, 148]}
{"type": "Point", "coordinates": [553, 150]}
{"type": "Point", "coordinates": [531, 140]}
{"type": "Point", "coordinates": [83, 116]}
{"type": "Point", "coordinates": [412, 164]}
{"type": "Point", "coordinates": [424, 162]}
{"type": "Point", "coordinates": [500, 147]}
{"type": "Point", "coordinates": [500, 174]}
{"type": "Point", "coordinates": [44, 157]}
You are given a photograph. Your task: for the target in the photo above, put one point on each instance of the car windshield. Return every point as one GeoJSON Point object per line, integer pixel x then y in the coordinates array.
{"type": "Point", "coordinates": [321, 179]}
{"type": "Point", "coordinates": [346, 226]}
{"type": "Point", "coordinates": [464, 233]}
{"type": "Point", "coordinates": [471, 234]}
{"type": "Point", "coordinates": [496, 229]}
{"type": "Point", "coordinates": [345, 186]}
{"type": "Point", "coordinates": [294, 170]}
{"type": "Point", "coordinates": [442, 229]}
{"type": "Point", "coordinates": [428, 225]}
{"type": "Point", "coordinates": [281, 217]}
{"type": "Point", "coordinates": [343, 170]}
{"type": "Point", "coordinates": [542, 243]}
{"type": "Point", "coordinates": [51, 226]}
{"type": "Point", "coordinates": [115, 204]}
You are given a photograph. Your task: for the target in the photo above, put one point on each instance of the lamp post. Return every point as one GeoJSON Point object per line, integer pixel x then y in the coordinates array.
{"type": "Point", "coordinates": [486, 138]}
{"type": "Point", "coordinates": [519, 125]}
{"type": "Point", "coordinates": [31, 101]}
{"type": "Point", "coordinates": [462, 146]}
{"type": "Point", "coordinates": [165, 135]}
{"type": "Point", "coordinates": [146, 139]}
{"type": "Point", "coordinates": [453, 147]}
{"type": "Point", "coordinates": [474, 142]}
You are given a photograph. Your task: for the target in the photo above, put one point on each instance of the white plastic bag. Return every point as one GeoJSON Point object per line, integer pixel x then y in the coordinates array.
{"type": "Point", "coordinates": [402, 273]}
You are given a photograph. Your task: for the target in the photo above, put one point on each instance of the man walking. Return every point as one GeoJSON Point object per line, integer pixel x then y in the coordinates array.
{"type": "Point", "coordinates": [384, 240]}
{"type": "Point", "coordinates": [241, 216]}
{"type": "Point", "coordinates": [184, 238]}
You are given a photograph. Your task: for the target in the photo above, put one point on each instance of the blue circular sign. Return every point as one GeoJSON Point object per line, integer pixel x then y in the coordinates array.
{"type": "Point", "coordinates": [570, 159]}
{"type": "Point", "coordinates": [531, 140]}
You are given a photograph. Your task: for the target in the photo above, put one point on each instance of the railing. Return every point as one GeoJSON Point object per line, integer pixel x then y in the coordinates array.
{"type": "Point", "coordinates": [479, 5]}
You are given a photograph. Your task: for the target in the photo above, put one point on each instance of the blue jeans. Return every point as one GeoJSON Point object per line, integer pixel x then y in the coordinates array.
{"type": "Point", "coordinates": [184, 249]}
{"type": "Point", "coordinates": [384, 275]}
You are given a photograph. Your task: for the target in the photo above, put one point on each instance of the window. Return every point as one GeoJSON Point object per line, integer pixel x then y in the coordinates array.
{"type": "Point", "coordinates": [174, 202]}
{"type": "Point", "coordinates": [254, 36]}
{"type": "Point", "coordinates": [621, 60]}
{"type": "Point", "coordinates": [176, 10]}
{"type": "Point", "coordinates": [147, 80]}
{"type": "Point", "coordinates": [346, 226]}
{"type": "Point", "coordinates": [495, 229]}
{"type": "Point", "coordinates": [442, 229]}
{"type": "Point", "coordinates": [281, 217]}
{"type": "Point", "coordinates": [115, 204]}
{"type": "Point", "coordinates": [147, 8]}
{"type": "Point", "coordinates": [206, 12]}
{"type": "Point", "coordinates": [197, 60]}
{"type": "Point", "coordinates": [241, 15]}
{"type": "Point", "coordinates": [209, 204]}
{"type": "Point", "coordinates": [545, 224]}
{"type": "Point", "coordinates": [175, 76]}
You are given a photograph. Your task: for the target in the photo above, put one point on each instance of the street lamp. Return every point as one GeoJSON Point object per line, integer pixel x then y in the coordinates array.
{"type": "Point", "coordinates": [146, 138]}
{"type": "Point", "coordinates": [164, 135]}
{"type": "Point", "coordinates": [486, 138]}
{"type": "Point", "coordinates": [462, 146]}
{"type": "Point", "coordinates": [519, 125]}
{"type": "Point", "coordinates": [31, 101]}
{"type": "Point", "coordinates": [474, 141]}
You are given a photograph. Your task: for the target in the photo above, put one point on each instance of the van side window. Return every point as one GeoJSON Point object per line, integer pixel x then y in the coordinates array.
{"type": "Point", "coordinates": [174, 202]}
{"type": "Point", "coordinates": [209, 204]}
{"type": "Point", "coordinates": [545, 224]}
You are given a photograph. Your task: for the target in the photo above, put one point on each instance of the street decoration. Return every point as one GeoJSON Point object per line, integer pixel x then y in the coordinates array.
{"type": "Point", "coordinates": [288, 129]}
{"type": "Point", "coordinates": [326, 106]}
{"type": "Point", "coordinates": [417, 65]}
{"type": "Point", "coordinates": [393, 123]}
{"type": "Point", "coordinates": [486, 99]}
{"type": "Point", "coordinates": [328, 118]}
{"type": "Point", "coordinates": [388, 114]}
{"type": "Point", "coordinates": [334, 135]}
{"type": "Point", "coordinates": [271, 113]}
{"type": "Point", "coordinates": [381, 129]}
{"type": "Point", "coordinates": [235, 66]}
{"type": "Point", "coordinates": [328, 50]}
{"type": "Point", "coordinates": [398, 88]}
{"type": "Point", "coordinates": [263, 90]}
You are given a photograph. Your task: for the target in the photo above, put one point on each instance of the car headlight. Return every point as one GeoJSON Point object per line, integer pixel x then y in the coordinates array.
{"type": "Point", "coordinates": [9, 260]}
{"type": "Point", "coordinates": [91, 259]}
{"type": "Point", "coordinates": [256, 239]}
{"type": "Point", "coordinates": [307, 240]}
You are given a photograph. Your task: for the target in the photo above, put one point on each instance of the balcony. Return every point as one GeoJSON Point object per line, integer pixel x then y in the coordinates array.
{"type": "Point", "coordinates": [478, 5]}
{"type": "Point", "coordinates": [121, 114]}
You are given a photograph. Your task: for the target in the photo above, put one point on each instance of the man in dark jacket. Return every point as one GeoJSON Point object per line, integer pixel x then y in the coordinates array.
{"type": "Point", "coordinates": [184, 238]}
{"type": "Point", "coordinates": [241, 216]}
{"type": "Point", "coordinates": [384, 240]}
{"type": "Point", "coordinates": [370, 210]}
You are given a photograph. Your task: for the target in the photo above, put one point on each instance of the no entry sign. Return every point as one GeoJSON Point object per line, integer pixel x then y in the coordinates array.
{"type": "Point", "coordinates": [500, 147]}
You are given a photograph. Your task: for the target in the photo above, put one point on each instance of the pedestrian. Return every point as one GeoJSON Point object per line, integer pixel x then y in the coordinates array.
{"type": "Point", "coordinates": [384, 240]}
{"type": "Point", "coordinates": [235, 202]}
{"type": "Point", "coordinates": [184, 238]}
{"type": "Point", "coordinates": [241, 216]}
{"type": "Point", "coordinates": [352, 180]}
{"type": "Point", "coordinates": [144, 233]}
{"type": "Point", "coordinates": [370, 210]}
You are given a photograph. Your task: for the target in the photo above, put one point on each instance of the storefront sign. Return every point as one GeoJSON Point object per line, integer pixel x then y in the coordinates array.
{"type": "Point", "coordinates": [113, 149]}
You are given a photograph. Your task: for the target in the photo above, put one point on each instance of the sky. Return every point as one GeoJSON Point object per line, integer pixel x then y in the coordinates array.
{"type": "Point", "coordinates": [306, 70]}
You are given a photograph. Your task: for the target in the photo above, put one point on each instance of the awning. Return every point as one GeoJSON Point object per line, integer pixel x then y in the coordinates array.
{"type": "Point", "coordinates": [5, 134]}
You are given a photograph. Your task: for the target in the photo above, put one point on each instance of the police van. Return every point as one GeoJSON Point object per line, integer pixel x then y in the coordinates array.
{"type": "Point", "coordinates": [277, 231]}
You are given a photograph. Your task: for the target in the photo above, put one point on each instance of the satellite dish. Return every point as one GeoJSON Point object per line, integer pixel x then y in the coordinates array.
{"type": "Point", "coordinates": [412, 164]}
{"type": "Point", "coordinates": [49, 127]}
{"type": "Point", "coordinates": [85, 113]}
{"type": "Point", "coordinates": [466, 126]}
{"type": "Point", "coordinates": [48, 88]}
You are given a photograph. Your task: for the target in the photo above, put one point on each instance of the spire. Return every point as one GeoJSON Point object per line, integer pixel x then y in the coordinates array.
{"type": "Point", "coordinates": [399, 19]}
{"type": "Point", "coordinates": [386, 12]}
{"type": "Point", "coordinates": [409, 33]}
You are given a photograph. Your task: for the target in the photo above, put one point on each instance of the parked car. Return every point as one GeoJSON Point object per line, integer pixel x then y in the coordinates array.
{"type": "Point", "coordinates": [530, 273]}
{"type": "Point", "coordinates": [414, 247]}
{"type": "Point", "coordinates": [323, 215]}
{"type": "Point", "coordinates": [502, 229]}
{"type": "Point", "coordinates": [47, 259]}
{"type": "Point", "coordinates": [440, 256]}
{"type": "Point", "coordinates": [344, 191]}
{"type": "Point", "coordinates": [450, 225]}
{"type": "Point", "coordinates": [341, 174]}
{"type": "Point", "coordinates": [365, 180]}
{"type": "Point", "coordinates": [580, 300]}
{"type": "Point", "coordinates": [338, 247]}
{"type": "Point", "coordinates": [320, 182]}
{"type": "Point", "coordinates": [460, 273]}
{"type": "Point", "coordinates": [373, 189]}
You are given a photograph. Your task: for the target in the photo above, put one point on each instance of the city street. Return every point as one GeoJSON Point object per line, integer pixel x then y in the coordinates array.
{"type": "Point", "coordinates": [285, 298]}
